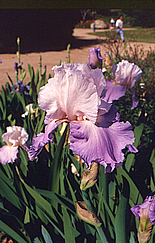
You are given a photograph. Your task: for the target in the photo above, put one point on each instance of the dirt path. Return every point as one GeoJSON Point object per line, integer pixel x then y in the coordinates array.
{"type": "Point", "coordinates": [80, 46]}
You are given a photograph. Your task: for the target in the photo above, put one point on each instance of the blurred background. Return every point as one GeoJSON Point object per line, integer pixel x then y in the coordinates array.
{"type": "Point", "coordinates": [51, 29]}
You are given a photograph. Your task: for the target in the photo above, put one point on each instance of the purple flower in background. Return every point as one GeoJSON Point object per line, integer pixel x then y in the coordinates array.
{"type": "Point", "coordinates": [0, 61]}
{"type": "Point", "coordinates": [22, 88]}
{"type": "Point", "coordinates": [18, 66]}
{"type": "Point", "coordinates": [95, 58]}
{"type": "Point", "coordinates": [96, 134]}
{"type": "Point", "coordinates": [145, 213]}
{"type": "Point", "coordinates": [14, 137]}
{"type": "Point", "coordinates": [125, 76]}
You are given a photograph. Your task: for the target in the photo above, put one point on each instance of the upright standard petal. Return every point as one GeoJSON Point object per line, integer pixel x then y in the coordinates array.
{"type": "Point", "coordinates": [127, 74]}
{"type": "Point", "coordinates": [72, 93]}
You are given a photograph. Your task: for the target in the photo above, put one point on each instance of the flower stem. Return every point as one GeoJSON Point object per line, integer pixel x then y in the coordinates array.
{"type": "Point", "coordinates": [90, 208]}
{"type": "Point", "coordinates": [40, 64]}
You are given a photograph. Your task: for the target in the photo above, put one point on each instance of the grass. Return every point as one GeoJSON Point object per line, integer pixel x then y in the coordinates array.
{"type": "Point", "coordinates": [146, 35]}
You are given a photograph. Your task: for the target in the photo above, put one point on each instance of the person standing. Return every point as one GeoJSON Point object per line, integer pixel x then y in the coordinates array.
{"type": "Point", "coordinates": [112, 21]}
{"type": "Point", "coordinates": [119, 28]}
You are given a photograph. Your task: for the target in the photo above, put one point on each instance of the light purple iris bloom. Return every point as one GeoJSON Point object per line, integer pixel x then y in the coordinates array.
{"type": "Point", "coordinates": [125, 76]}
{"type": "Point", "coordinates": [145, 210]}
{"type": "Point", "coordinates": [95, 58]}
{"type": "Point", "coordinates": [14, 137]}
{"type": "Point", "coordinates": [96, 134]}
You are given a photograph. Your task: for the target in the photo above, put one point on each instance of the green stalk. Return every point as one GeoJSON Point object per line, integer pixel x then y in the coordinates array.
{"type": "Point", "coordinates": [90, 208]}
{"type": "Point", "coordinates": [40, 64]}
{"type": "Point", "coordinates": [18, 43]}
{"type": "Point", "coordinates": [68, 52]}
{"type": "Point", "coordinates": [18, 55]}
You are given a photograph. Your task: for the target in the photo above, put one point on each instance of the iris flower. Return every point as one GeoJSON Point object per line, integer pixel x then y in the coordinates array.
{"type": "Point", "coordinates": [96, 135]}
{"type": "Point", "coordinates": [14, 137]}
{"type": "Point", "coordinates": [20, 87]}
{"type": "Point", "coordinates": [145, 213]}
{"type": "Point", "coordinates": [95, 58]}
{"type": "Point", "coordinates": [18, 66]}
{"type": "Point", "coordinates": [125, 76]}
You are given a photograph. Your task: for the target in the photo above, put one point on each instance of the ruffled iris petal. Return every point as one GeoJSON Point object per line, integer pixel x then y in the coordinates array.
{"type": "Point", "coordinates": [151, 212]}
{"type": "Point", "coordinates": [127, 74]}
{"type": "Point", "coordinates": [113, 91]}
{"type": "Point", "coordinates": [41, 139]}
{"type": "Point", "coordinates": [15, 135]}
{"type": "Point", "coordinates": [136, 210]}
{"type": "Point", "coordinates": [72, 93]}
{"type": "Point", "coordinates": [147, 207]}
{"type": "Point", "coordinates": [131, 148]}
{"type": "Point", "coordinates": [8, 154]}
{"type": "Point", "coordinates": [102, 145]}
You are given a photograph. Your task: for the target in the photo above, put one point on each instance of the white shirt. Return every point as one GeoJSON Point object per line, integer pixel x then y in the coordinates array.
{"type": "Point", "coordinates": [112, 21]}
{"type": "Point", "coordinates": [119, 23]}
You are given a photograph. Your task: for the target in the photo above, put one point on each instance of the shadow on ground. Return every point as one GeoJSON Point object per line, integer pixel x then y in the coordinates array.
{"type": "Point", "coordinates": [39, 29]}
{"type": "Point", "coordinates": [80, 43]}
{"type": "Point", "coordinates": [48, 46]}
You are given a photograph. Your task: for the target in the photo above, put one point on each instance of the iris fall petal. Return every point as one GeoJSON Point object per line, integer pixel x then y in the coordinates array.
{"type": "Point", "coordinates": [106, 143]}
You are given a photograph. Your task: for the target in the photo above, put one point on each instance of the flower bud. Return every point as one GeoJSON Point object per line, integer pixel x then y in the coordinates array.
{"type": "Point", "coordinates": [74, 170]}
{"type": "Point", "coordinates": [18, 40]}
{"type": "Point", "coordinates": [78, 158]}
{"type": "Point", "coordinates": [145, 212]}
{"type": "Point", "coordinates": [144, 236]}
{"type": "Point", "coordinates": [95, 58]}
{"type": "Point", "coordinates": [108, 61]}
{"type": "Point", "coordinates": [86, 215]}
{"type": "Point", "coordinates": [89, 177]}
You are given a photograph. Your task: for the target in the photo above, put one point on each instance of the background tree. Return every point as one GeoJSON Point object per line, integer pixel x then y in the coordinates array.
{"type": "Point", "coordinates": [84, 13]}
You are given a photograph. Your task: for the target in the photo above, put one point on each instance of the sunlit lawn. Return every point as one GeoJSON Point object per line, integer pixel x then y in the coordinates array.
{"type": "Point", "coordinates": [139, 35]}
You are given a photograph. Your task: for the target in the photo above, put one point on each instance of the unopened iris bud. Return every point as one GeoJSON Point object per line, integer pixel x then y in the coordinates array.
{"type": "Point", "coordinates": [95, 58]}
{"type": "Point", "coordinates": [78, 158]}
{"type": "Point", "coordinates": [18, 40]}
{"type": "Point", "coordinates": [145, 213]}
{"type": "Point", "coordinates": [89, 177]}
{"type": "Point", "coordinates": [144, 236]}
{"type": "Point", "coordinates": [86, 215]}
{"type": "Point", "coordinates": [74, 170]}
{"type": "Point", "coordinates": [108, 61]}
